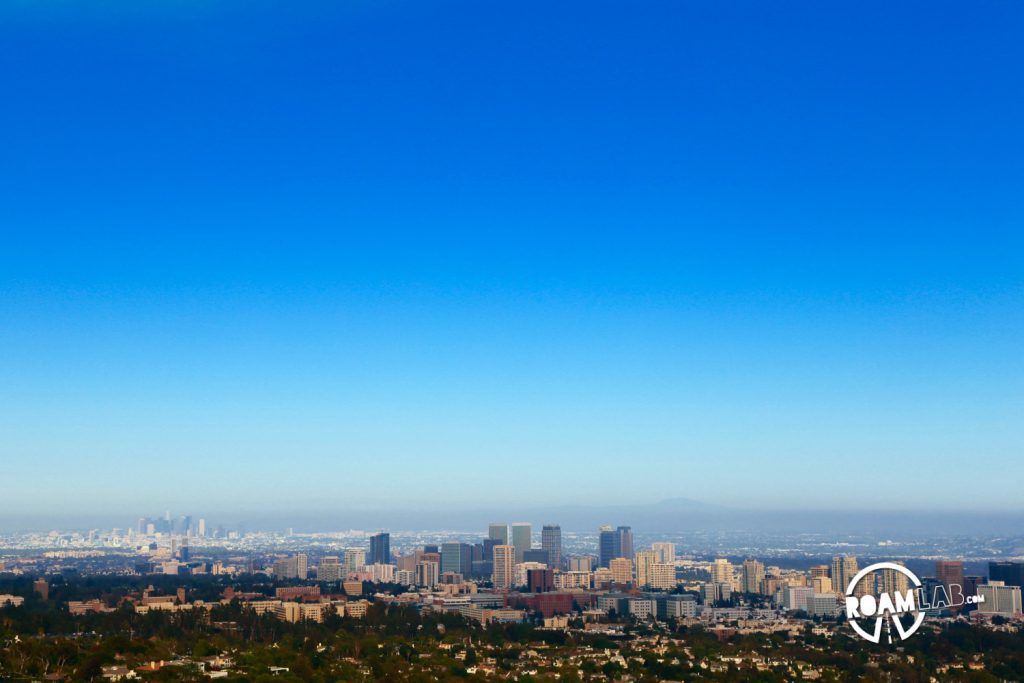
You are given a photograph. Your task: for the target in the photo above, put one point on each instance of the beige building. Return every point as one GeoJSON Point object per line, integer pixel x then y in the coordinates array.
{"type": "Point", "coordinates": [645, 559]}
{"type": "Point", "coordinates": [354, 559]}
{"type": "Point", "coordinates": [356, 609]}
{"type": "Point", "coordinates": [621, 569]}
{"type": "Point", "coordinates": [662, 576]}
{"type": "Point", "coordinates": [504, 566]}
{"type": "Point", "coordinates": [891, 581]}
{"type": "Point", "coordinates": [844, 568]}
{"type": "Point", "coordinates": [566, 580]}
{"type": "Point", "coordinates": [753, 575]}
{"type": "Point", "coordinates": [721, 571]}
{"type": "Point", "coordinates": [998, 598]}
{"type": "Point", "coordinates": [427, 574]}
{"type": "Point", "coordinates": [666, 552]}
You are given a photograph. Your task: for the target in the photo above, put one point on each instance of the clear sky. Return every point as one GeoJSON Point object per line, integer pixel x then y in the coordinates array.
{"type": "Point", "coordinates": [322, 253]}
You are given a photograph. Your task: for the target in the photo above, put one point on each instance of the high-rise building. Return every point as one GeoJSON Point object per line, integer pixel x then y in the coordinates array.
{"type": "Point", "coordinates": [381, 573]}
{"type": "Point", "coordinates": [456, 557]}
{"type": "Point", "coordinates": [551, 541]}
{"type": "Point", "coordinates": [521, 532]}
{"type": "Point", "coordinates": [971, 584]}
{"type": "Point", "coordinates": [329, 569]}
{"type": "Point", "coordinates": [951, 574]}
{"type": "Point", "coordinates": [820, 570]}
{"type": "Point", "coordinates": [380, 549]}
{"type": "Point", "coordinates": [504, 566]}
{"type": "Point", "coordinates": [498, 531]}
{"type": "Point", "coordinates": [753, 575]}
{"type": "Point", "coordinates": [625, 546]}
{"type": "Point", "coordinates": [998, 598]}
{"type": "Point", "coordinates": [451, 578]}
{"type": "Point", "coordinates": [666, 552]}
{"type": "Point", "coordinates": [581, 564]}
{"type": "Point", "coordinates": [890, 581]}
{"type": "Point", "coordinates": [540, 580]}
{"type": "Point", "coordinates": [294, 567]}
{"type": "Point", "coordinates": [622, 570]}
{"type": "Point", "coordinates": [488, 548]}
{"type": "Point", "coordinates": [652, 573]}
{"type": "Point", "coordinates": [606, 546]}
{"type": "Point", "coordinates": [201, 529]}
{"type": "Point", "coordinates": [662, 576]}
{"type": "Point", "coordinates": [427, 574]}
{"type": "Point", "coordinates": [612, 544]}
{"type": "Point", "coordinates": [721, 571]}
{"type": "Point", "coordinates": [844, 568]}
{"type": "Point", "coordinates": [354, 558]}
{"type": "Point", "coordinates": [1010, 573]}
{"type": "Point", "coordinates": [645, 559]}
{"type": "Point", "coordinates": [538, 555]}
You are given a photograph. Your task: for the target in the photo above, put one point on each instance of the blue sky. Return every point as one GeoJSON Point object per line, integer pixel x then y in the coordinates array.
{"type": "Point", "coordinates": [343, 253]}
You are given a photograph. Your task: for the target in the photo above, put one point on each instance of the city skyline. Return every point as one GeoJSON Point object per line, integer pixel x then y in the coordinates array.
{"type": "Point", "coordinates": [349, 255]}
{"type": "Point", "coordinates": [460, 341]}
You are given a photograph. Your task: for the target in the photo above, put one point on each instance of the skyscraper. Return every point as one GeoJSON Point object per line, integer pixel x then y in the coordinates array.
{"type": "Point", "coordinates": [612, 544]}
{"type": "Point", "coordinates": [521, 532]}
{"type": "Point", "coordinates": [329, 569]}
{"type": "Point", "coordinates": [354, 558]}
{"type": "Point", "coordinates": [605, 546]}
{"type": "Point", "coordinates": [504, 564]}
{"type": "Point", "coordinates": [457, 557]}
{"type": "Point", "coordinates": [625, 548]}
{"type": "Point", "coordinates": [622, 570]}
{"type": "Point", "coordinates": [889, 581]}
{"type": "Point", "coordinates": [722, 571]}
{"type": "Point", "coordinates": [951, 573]}
{"type": "Point", "coordinates": [551, 541]}
{"type": "Point", "coordinates": [822, 584]}
{"type": "Point", "coordinates": [427, 573]}
{"type": "Point", "coordinates": [753, 575]}
{"type": "Point", "coordinates": [666, 552]}
{"type": "Point", "coordinates": [540, 580]}
{"type": "Point", "coordinates": [294, 567]}
{"type": "Point", "coordinates": [844, 568]}
{"type": "Point", "coordinates": [498, 531]}
{"type": "Point", "coordinates": [537, 555]}
{"type": "Point", "coordinates": [380, 549]}
{"type": "Point", "coordinates": [451, 557]}
{"type": "Point", "coordinates": [819, 570]}
{"type": "Point", "coordinates": [489, 544]}
{"type": "Point", "coordinates": [645, 560]}
{"type": "Point", "coordinates": [1010, 573]}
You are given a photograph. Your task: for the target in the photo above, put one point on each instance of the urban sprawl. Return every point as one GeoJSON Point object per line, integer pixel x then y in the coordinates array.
{"type": "Point", "coordinates": [613, 611]}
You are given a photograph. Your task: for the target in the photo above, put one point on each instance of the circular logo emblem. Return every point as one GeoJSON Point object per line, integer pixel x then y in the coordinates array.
{"type": "Point", "coordinates": [886, 607]}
